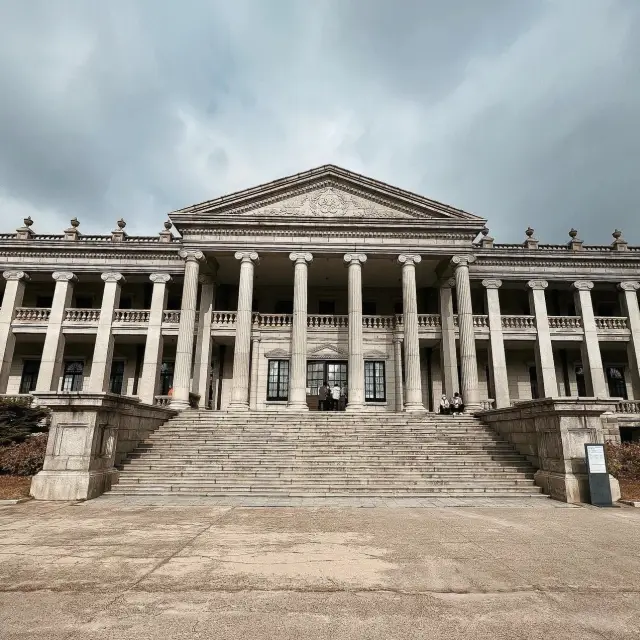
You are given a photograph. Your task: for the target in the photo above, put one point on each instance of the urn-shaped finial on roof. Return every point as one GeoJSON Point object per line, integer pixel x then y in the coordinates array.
{"type": "Point", "coordinates": [530, 242]}
{"type": "Point", "coordinates": [24, 232]}
{"type": "Point", "coordinates": [575, 244]}
{"type": "Point", "coordinates": [28, 221]}
{"type": "Point", "coordinates": [573, 233]}
{"type": "Point", "coordinates": [617, 234]}
{"type": "Point", "coordinates": [529, 232]}
{"type": "Point", "coordinates": [121, 223]}
{"type": "Point", "coordinates": [619, 243]}
{"type": "Point", "coordinates": [168, 225]}
{"type": "Point", "coordinates": [75, 223]}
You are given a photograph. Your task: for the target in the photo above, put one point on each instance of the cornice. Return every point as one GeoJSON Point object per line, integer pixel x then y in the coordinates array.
{"type": "Point", "coordinates": [568, 263]}
{"type": "Point", "coordinates": [100, 255]}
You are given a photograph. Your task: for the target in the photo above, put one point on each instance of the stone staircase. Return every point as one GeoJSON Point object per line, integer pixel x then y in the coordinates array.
{"type": "Point", "coordinates": [204, 453]}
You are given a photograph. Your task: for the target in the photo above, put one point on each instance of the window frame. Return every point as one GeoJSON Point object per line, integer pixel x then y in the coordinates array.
{"type": "Point", "coordinates": [76, 378]}
{"type": "Point", "coordinates": [372, 393]}
{"type": "Point", "coordinates": [278, 373]}
{"type": "Point", "coordinates": [31, 376]}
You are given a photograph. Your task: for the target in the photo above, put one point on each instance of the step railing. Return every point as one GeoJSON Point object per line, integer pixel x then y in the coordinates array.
{"type": "Point", "coordinates": [32, 314]}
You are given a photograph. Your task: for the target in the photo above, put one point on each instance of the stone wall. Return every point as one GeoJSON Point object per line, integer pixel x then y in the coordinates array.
{"type": "Point", "coordinates": [551, 433]}
{"type": "Point", "coordinates": [89, 434]}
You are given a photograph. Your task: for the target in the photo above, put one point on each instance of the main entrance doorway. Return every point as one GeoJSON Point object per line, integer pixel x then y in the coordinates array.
{"type": "Point", "coordinates": [333, 371]}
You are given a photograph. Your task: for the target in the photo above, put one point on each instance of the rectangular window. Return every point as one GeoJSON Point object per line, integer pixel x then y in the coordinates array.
{"type": "Point", "coordinates": [166, 378]}
{"type": "Point", "coordinates": [616, 382]}
{"type": "Point", "coordinates": [30, 370]}
{"type": "Point", "coordinates": [117, 377]}
{"type": "Point", "coordinates": [278, 380]}
{"type": "Point", "coordinates": [73, 375]}
{"type": "Point", "coordinates": [374, 382]}
{"type": "Point", "coordinates": [315, 376]}
{"type": "Point", "coordinates": [533, 381]}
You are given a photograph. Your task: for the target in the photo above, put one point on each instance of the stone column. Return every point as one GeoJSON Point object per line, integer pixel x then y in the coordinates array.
{"type": "Point", "coordinates": [202, 365]}
{"type": "Point", "coordinates": [13, 295]}
{"type": "Point", "coordinates": [413, 382]}
{"type": "Point", "coordinates": [590, 347]}
{"type": "Point", "coordinates": [298, 362]}
{"type": "Point", "coordinates": [545, 366]}
{"type": "Point", "coordinates": [448, 342]}
{"type": "Point", "coordinates": [632, 311]}
{"type": "Point", "coordinates": [255, 368]}
{"type": "Point", "coordinates": [356, 355]}
{"type": "Point", "coordinates": [241, 352]}
{"type": "Point", "coordinates": [468, 361]}
{"type": "Point", "coordinates": [186, 328]}
{"type": "Point", "coordinates": [53, 350]}
{"type": "Point", "coordinates": [397, 359]}
{"type": "Point", "coordinates": [496, 345]}
{"type": "Point", "coordinates": [152, 359]}
{"type": "Point", "coordinates": [103, 350]}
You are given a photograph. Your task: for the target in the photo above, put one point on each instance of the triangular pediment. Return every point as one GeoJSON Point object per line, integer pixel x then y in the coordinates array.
{"type": "Point", "coordinates": [329, 193]}
{"type": "Point", "coordinates": [328, 352]}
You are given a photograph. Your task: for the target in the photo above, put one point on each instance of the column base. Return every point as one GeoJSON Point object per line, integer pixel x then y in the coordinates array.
{"type": "Point", "coordinates": [297, 406]}
{"type": "Point", "coordinates": [179, 405]}
{"type": "Point", "coordinates": [354, 408]}
{"type": "Point", "coordinates": [414, 407]}
{"type": "Point", "coordinates": [238, 407]}
{"type": "Point", "coordinates": [72, 485]}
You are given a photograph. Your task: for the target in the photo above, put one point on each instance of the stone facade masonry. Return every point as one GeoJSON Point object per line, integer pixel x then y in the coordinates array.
{"type": "Point", "coordinates": [411, 297]}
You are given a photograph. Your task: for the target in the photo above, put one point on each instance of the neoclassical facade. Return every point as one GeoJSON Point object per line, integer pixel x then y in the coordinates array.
{"type": "Point", "coordinates": [324, 275]}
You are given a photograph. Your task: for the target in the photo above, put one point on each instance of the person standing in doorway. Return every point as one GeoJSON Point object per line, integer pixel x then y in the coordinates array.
{"type": "Point", "coordinates": [323, 397]}
{"type": "Point", "coordinates": [335, 396]}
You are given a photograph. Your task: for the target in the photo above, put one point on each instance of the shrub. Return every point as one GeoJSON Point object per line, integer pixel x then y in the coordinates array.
{"type": "Point", "coordinates": [25, 458]}
{"type": "Point", "coordinates": [19, 421]}
{"type": "Point", "coordinates": [623, 460]}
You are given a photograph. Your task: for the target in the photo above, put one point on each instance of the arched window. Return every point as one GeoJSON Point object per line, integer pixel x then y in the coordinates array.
{"type": "Point", "coordinates": [73, 375]}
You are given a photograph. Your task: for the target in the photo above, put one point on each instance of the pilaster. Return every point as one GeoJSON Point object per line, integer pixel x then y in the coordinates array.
{"type": "Point", "coordinates": [186, 328]}
{"type": "Point", "coordinates": [103, 350]}
{"type": "Point", "coordinates": [356, 400]}
{"type": "Point", "coordinates": [255, 369]}
{"type": "Point", "coordinates": [413, 383]}
{"type": "Point", "coordinates": [152, 358]}
{"type": "Point", "coordinates": [241, 352]}
{"type": "Point", "coordinates": [590, 347]}
{"type": "Point", "coordinates": [13, 296]}
{"type": "Point", "coordinates": [53, 350]}
{"type": "Point", "coordinates": [298, 362]}
{"type": "Point", "coordinates": [397, 373]}
{"type": "Point", "coordinates": [498, 358]}
{"type": "Point", "coordinates": [468, 359]}
{"type": "Point", "coordinates": [545, 365]}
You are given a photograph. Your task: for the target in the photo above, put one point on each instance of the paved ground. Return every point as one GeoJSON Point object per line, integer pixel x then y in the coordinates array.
{"type": "Point", "coordinates": [117, 569]}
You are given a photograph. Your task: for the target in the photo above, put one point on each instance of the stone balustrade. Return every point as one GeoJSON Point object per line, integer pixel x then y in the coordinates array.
{"type": "Point", "coordinates": [628, 406]}
{"type": "Point", "coordinates": [171, 316]}
{"type": "Point", "coordinates": [604, 323]}
{"type": "Point", "coordinates": [267, 320]}
{"type": "Point", "coordinates": [82, 315]}
{"type": "Point", "coordinates": [481, 322]}
{"type": "Point", "coordinates": [327, 321]}
{"type": "Point", "coordinates": [378, 322]}
{"type": "Point", "coordinates": [487, 404]}
{"type": "Point", "coordinates": [162, 401]}
{"type": "Point", "coordinates": [429, 321]}
{"type": "Point", "coordinates": [131, 315]}
{"type": "Point", "coordinates": [32, 314]}
{"type": "Point", "coordinates": [224, 318]}
{"type": "Point", "coordinates": [518, 323]}
{"type": "Point", "coordinates": [565, 322]}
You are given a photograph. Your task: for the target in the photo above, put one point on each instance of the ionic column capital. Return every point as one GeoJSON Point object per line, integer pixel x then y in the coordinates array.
{"type": "Point", "coordinates": [629, 286]}
{"type": "Point", "coordinates": [64, 276]}
{"type": "Point", "coordinates": [246, 256]}
{"type": "Point", "coordinates": [298, 257]}
{"type": "Point", "coordinates": [463, 260]}
{"type": "Point", "coordinates": [160, 278]}
{"type": "Point", "coordinates": [582, 285]}
{"type": "Point", "coordinates": [355, 258]}
{"type": "Point", "coordinates": [16, 275]}
{"type": "Point", "coordinates": [537, 285]}
{"type": "Point", "coordinates": [113, 276]}
{"type": "Point", "coordinates": [409, 259]}
{"type": "Point", "coordinates": [492, 284]}
{"type": "Point", "coordinates": [191, 255]}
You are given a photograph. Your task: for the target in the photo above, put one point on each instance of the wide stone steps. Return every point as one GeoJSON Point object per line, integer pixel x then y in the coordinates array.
{"type": "Point", "coordinates": [200, 453]}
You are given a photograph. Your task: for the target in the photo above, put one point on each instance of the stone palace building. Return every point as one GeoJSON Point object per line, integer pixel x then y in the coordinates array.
{"type": "Point", "coordinates": [326, 275]}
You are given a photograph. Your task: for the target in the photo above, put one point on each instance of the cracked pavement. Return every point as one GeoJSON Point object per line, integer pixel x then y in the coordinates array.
{"type": "Point", "coordinates": [104, 569]}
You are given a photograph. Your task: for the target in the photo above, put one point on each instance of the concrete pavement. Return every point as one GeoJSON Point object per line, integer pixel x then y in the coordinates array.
{"type": "Point", "coordinates": [109, 569]}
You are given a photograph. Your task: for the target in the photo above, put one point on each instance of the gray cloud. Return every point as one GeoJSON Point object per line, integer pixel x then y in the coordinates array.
{"type": "Point", "coordinates": [522, 112]}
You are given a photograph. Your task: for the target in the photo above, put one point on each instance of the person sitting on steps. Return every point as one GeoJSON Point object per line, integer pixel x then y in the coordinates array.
{"type": "Point", "coordinates": [457, 404]}
{"type": "Point", "coordinates": [445, 406]}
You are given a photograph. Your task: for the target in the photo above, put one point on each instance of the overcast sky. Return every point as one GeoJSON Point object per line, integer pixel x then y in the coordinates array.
{"type": "Point", "coordinates": [523, 111]}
